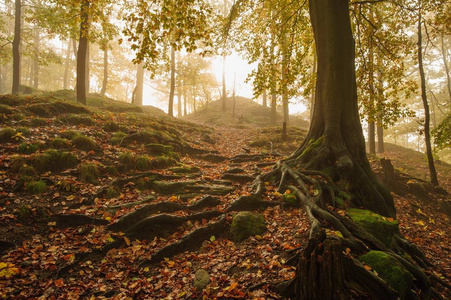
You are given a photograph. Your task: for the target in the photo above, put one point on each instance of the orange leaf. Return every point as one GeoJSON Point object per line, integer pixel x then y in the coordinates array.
{"type": "Point", "coordinates": [232, 286]}
{"type": "Point", "coordinates": [59, 282]}
{"type": "Point", "coordinates": [69, 257]}
{"type": "Point", "coordinates": [367, 267]}
{"type": "Point", "coordinates": [127, 240]}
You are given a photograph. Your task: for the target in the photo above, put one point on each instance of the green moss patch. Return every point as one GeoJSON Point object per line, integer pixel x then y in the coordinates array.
{"type": "Point", "coordinates": [246, 224]}
{"type": "Point", "coordinates": [159, 149]}
{"type": "Point", "coordinates": [380, 227]}
{"type": "Point", "coordinates": [59, 143]}
{"type": "Point", "coordinates": [390, 270]}
{"type": "Point", "coordinates": [127, 160]}
{"type": "Point", "coordinates": [143, 163]}
{"type": "Point", "coordinates": [51, 109]}
{"type": "Point", "coordinates": [84, 143]}
{"type": "Point", "coordinates": [7, 135]}
{"type": "Point", "coordinates": [290, 199]}
{"type": "Point", "coordinates": [37, 187]}
{"type": "Point", "coordinates": [53, 160]}
{"type": "Point", "coordinates": [26, 148]}
{"type": "Point", "coordinates": [111, 126]}
{"type": "Point", "coordinates": [73, 119]}
{"type": "Point", "coordinates": [89, 172]}
{"type": "Point", "coordinates": [5, 110]}
{"type": "Point", "coordinates": [117, 138]}
{"type": "Point", "coordinates": [70, 134]}
{"type": "Point", "coordinates": [185, 169]}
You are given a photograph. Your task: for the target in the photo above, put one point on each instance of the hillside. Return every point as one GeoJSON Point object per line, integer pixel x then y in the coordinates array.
{"type": "Point", "coordinates": [247, 113]}
{"type": "Point", "coordinates": [113, 201]}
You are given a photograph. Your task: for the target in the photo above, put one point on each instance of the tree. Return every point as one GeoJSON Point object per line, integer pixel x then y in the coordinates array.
{"type": "Point", "coordinates": [82, 51]}
{"type": "Point", "coordinates": [16, 46]}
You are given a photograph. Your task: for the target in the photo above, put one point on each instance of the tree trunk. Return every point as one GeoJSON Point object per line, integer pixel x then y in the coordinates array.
{"type": "Point", "coordinates": [445, 63]}
{"type": "Point", "coordinates": [37, 39]}
{"type": "Point", "coordinates": [184, 99]}
{"type": "Point", "coordinates": [16, 47]}
{"type": "Point", "coordinates": [380, 138]}
{"type": "Point", "coordinates": [179, 98]}
{"type": "Point", "coordinates": [371, 137]}
{"type": "Point", "coordinates": [224, 91]}
{"type": "Point", "coordinates": [139, 85]}
{"type": "Point", "coordinates": [87, 69]}
{"type": "Point", "coordinates": [105, 71]}
{"type": "Point", "coordinates": [427, 135]}
{"type": "Point", "coordinates": [82, 52]}
{"type": "Point", "coordinates": [172, 90]}
{"type": "Point", "coordinates": [265, 98]}
{"type": "Point", "coordinates": [67, 66]}
{"type": "Point", "coordinates": [336, 124]}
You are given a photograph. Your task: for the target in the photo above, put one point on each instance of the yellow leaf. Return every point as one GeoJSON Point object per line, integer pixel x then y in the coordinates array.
{"type": "Point", "coordinates": [127, 240]}
{"type": "Point", "coordinates": [231, 287]}
{"type": "Point", "coordinates": [287, 192]}
{"type": "Point", "coordinates": [212, 238]}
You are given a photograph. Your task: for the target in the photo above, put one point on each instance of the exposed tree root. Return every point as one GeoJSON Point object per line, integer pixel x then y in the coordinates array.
{"type": "Point", "coordinates": [188, 242]}
{"type": "Point", "coordinates": [162, 207]}
{"type": "Point", "coordinates": [68, 220]}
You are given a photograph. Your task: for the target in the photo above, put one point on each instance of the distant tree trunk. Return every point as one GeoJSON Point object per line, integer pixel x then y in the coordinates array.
{"type": "Point", "coordinates": [224, 91]}
{"type": "Point", "coordinates": [427, 135]}
{"type": "Point", "coordinates": [82, 52]}
{"type": "Point", "coordinates": [139, 85]}
{"type": "Point", "coordinates": [265, 98]}
{"type": "Point", "coordinates": [37, 39]}
{"type": "Point", "coordinates": [87, 76]}
{"type": "Point", "coordinates": [179, 97]}
{"type": "Point", "coordinates": [371, 137]}
{"type": "Point", "coordinates": [184, 99]}
{"type": "Point", "coordinates": [285, 88]}
{"type": "Point", "coordinates": [273, 85]}
{"type": "Point", "coordinates": [16, 47]}
{"type": "Point", "coordinates": [172, 90]}
{"type": "Point", "coordinates": [445, 62]}
{"type": "Point", "coordinates": [380, 139]}
{"type": "Point", "coordinates": [105, 71]}
{"type": "Point", "coordinates": [312, 98]}
{"type": "Point", "coordinates": [67, 66]}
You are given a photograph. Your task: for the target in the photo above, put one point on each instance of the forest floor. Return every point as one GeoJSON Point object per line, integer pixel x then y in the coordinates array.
{"type": "Point", "coordinates": [60, 210]}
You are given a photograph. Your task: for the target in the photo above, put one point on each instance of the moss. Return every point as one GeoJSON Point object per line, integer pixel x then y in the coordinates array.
{"type": "Point", "coordinates": [23, 213]}
{"type": "Point", "coordinates": [112, 192]}
{"type": "Point", "coordinates": [290, 199]}
{"type": "Point", "coordinates": [143, 163]}
{"type": "Point", "coordinates": [25, 131]}
{"type": "Point", "coordinates": [17, 162]}
{"type": "Point", "coordinates": [390, 270]}
{"type": "Point", "coordinates": [70, 134]}
{"type": "Point", "coordinates": [37, 187]}
{"type": "Point", "coordinates": [144, 184]}
{"type": "Point", "coordinates": [5, 110]}
{"type": "Point", "coordinates": [380, 227]}
{"type": "Point", "coordinates": [260, 142]}
{"type": "Point", "coordinates": [38, 122]}
{"type": "Point", "coordinates": [159, 149]}
{"type": "Point", "coordinates": [84, 143]}
{"type": "Point", "coordinates": [184, 169]}
{"type": "Point", "coordinates": [311, 146]}
{"type": "Point", "coordinates": [111, 170]}
{"type": "Point", "coordinates": [246, 224]}
{"type": "Point", "coordinates": [26, 148]}
{"type": "Point", "coordinates": [7, 135]}
{"type": "Point", "coordinates": [60, 143]}
{"type": "Point", "coordinates": [117, 138]}
{"type": "Point", "coordinates": [163, 162]}
{"type": "Point", "coordinates": [66, 186]}
{"type": "Point", "coordinates": [127, 160]}
{"type": "Point", "coordinates": [89, 172]}
{"type": "Point", "coordinates": [77, 120]}
{"type": "Point", "coordinates": [111, 126]}
{"type": "Point", "coordinates": [53, 160]}
{"type": "Point", "coordinates": [27, 170]}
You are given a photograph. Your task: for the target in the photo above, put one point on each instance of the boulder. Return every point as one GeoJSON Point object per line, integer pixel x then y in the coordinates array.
{"type": "Point", "coordinates": [201, 279]}
{"type": "Point", "coordinates": [246, 224]}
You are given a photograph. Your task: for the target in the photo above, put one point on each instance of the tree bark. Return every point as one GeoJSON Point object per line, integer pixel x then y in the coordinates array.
{"type": "Point", "coordinates": [445, 63]}
{"type": "Point", "coordinates": [67, 66]}
{"type": "Point", "coordinates": [37, 39]}
{"type": "Point", "coordinates": [372, 137]}
{"type": "Point", "coordinates": [185, 112]}
{"type": "Point", "coordinates": [427, 135]}
{"type": "Point", "coordinates": [335, 126]}
{"type": "Point", "coordinates": [380, 138]}
{"type": "Point", "coordinates": [265, 98]}
{"type": "Point", "coordinates": [105, 71]}
{"type": "Point", "coordinates": [172, 90]}
{"type": "Point", "coordinates": [16, 47]}
{"type": "Point", "coordinates": [139, 85]}
{"type": "Point", "coordinates": [224, 90]}
{"type": "Point", "coordinates": [82, 52]}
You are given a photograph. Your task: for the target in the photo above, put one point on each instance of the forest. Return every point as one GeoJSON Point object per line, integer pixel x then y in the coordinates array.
{"type": "Point", "coordinates": [225, 149]}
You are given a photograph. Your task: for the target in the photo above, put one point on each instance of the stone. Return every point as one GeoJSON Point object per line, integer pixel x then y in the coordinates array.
{"type": "Point", "coordinates": [246, 224]}
{"type": "Point", "coordinates": [201, 279]}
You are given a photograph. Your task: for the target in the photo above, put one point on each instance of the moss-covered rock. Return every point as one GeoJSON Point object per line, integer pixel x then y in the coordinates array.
{"type": "Point", "coordinates": [26, 148]}
{"type": "Point", "coordinates": [159, 149]}
{"type": "Point", "coordinates": [111, 126]}
{"type": "Point", "coordinates": [60, 143]}
{"type": "Point", "coordinates": [290, 199]}
{"type": "Point", "coordinates": [7, 135]}
{"type": "Point", "coordinates": [53, 160]}
{"type": "Point", "coordinates": [143, 163]}
{"type": "Point", "coordinates": [84, 143]}
{"type": "Point", "coordinates": [380, 227]}
{"type": "Point", "coordinates": [74, 119]}
{"type": "Point", "coordinates": [37, 187]}
{"type": "Point", "coordinates": [185, 169]}
{"type": "Point", "coordinates": [117, 137]}
{"type": "Point", "coordinates": [246, 224]}
{"type": "Point", "coordinates": [89, 172]}
{"type": "Point", "coordinates": [70, 134]}
{"type": "Point", "coordinates": [389, 269]}
{"type": "Point", "coordinates": [201, 279]}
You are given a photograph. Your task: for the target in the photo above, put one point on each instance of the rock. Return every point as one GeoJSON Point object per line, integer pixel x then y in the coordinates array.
{"type": "Point", "coordinates": [246, 224]}
{"type": "Point", "coordinates": [201, 279]}
{"type": "Point", "coordinates": [380, 227]}
{"type": "Point", "coordinates": [159, 148]}
{"type": "Point", "coordinates": [241, 178]}
{"type": "Point", "coordinates": [389, 269]}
